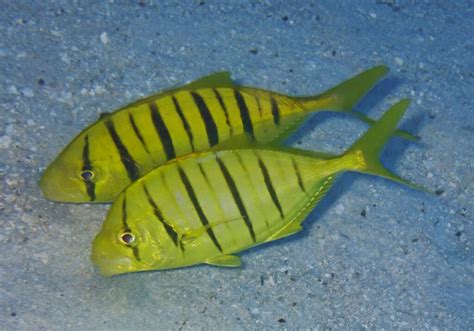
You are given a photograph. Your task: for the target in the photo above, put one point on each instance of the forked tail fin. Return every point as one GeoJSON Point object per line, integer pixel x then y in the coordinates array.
{"type": "Point", "coordinates": [369, 147]}
{"type": "Point", "coordinates": [346, 95]}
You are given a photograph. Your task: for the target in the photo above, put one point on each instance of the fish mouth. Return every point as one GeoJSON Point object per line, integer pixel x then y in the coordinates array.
{"type": "Point", "coordinates": [50, 189]}
{"type": "Point", "coordinates": [108, 259]}
{"type": "Point", "coordinates": [110, 266]}
{"type": "Point", "coordinates": [55, 189]}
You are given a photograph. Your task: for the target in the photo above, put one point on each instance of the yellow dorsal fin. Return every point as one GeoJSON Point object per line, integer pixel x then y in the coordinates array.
{"type": "Point", "coordinates": [214, 80]}
{"type": "Point", "coordinates": [217, 79]}
{"type": "Point", "coordinates": [229, 261]}
{"type": "Point", "coordinates": [104, 115]}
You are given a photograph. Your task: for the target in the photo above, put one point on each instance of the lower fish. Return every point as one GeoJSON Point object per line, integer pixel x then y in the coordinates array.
{"type": "Point", "coordinates": [205, 207]}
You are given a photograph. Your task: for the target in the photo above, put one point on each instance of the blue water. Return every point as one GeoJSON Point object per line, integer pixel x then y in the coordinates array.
{"type": "Point", "coordinates": [373, 254]}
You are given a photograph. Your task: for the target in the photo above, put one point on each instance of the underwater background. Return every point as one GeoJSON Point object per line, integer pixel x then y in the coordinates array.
{"type": "Point", "coordinates": [373, 254]}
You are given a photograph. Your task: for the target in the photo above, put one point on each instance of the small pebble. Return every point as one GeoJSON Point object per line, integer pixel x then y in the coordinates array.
{"type": "Point", "coordinates": [255, 311]}
{"type": "Point", "coordinates": [27, 92]}
{"type": "Point", "coordinates": [10, 198]}
{"type": "Point", "coordinates": [57, 34]}
{"type": "Point", "coordinates": [11, 182]}
{"type": "Point", "coordinates": [270, 281]}
{"type": "Point", "coordinates": [65, 58]}
{"type": "Point", "coordinates": [5, 142]}
{"type": "Point", "coordinates": [13, 90]}
{"type": "Point", "coordinates": [399, 61]}
{"type": "Point", "coordinates": [339, 209]}
{"type": "Point", "coordinates": [10, 130]}
{"type": "Point", "coordinates": [99, 90]}
{"type": "Point", "coordinates": [104, 38]}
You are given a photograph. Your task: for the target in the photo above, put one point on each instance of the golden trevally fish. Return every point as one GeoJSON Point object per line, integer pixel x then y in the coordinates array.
{"type": "Point", "coordinates": [204, 207]}
{"type": "Point", "coordinates": [121, 147]}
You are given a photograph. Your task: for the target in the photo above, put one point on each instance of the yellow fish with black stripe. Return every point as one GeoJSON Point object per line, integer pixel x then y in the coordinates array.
{"type": "Point", "coordinates": [204, 207]}
{"type": "Point", "coordinates": [121, 147]}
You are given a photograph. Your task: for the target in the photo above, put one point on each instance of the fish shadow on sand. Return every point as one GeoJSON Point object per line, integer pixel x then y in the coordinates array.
{"type": "Point", "coordinates": [380, 91]}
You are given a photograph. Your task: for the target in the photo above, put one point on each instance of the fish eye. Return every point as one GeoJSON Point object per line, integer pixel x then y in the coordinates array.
{"type": "Point", "coordinates": [127, 238]}
{"type": "Point", "coordinates": [87, 175]}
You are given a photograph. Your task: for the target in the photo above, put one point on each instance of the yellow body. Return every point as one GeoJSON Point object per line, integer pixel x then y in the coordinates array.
{"type": "Point", "coordinates": [123, 146]}
{"type": "Point", "coordinates": [211, 204]}
{"type": "Point", "coordinates": [204, 207]}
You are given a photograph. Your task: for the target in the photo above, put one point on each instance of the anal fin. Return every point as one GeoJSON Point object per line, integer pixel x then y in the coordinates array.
{"type": "Point", "coordinates": [292, 228]}
{"type": "Point", "coordinates": [228, 261]}
{"type": "Point", "coordinates": [300, 215]}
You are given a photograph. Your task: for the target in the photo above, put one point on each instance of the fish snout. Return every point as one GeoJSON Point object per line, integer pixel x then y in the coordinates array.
{"type": "Point", "coordinates": [50, 186]}
{"type": "Point", "coordinates": [57, 185]}
{"type": "Point", "coordinates": [108, 260]}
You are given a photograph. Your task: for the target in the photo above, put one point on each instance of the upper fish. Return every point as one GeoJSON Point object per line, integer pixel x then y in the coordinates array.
{"type": "Point", "coordinates": [205, 207]}
{"type": "Point", "coordinates": [122, 146]}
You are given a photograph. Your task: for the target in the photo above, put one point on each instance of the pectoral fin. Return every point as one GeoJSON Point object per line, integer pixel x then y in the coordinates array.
{"type": "Point", "coordinates": [190, 235]}
{"type": "Point", "coordinates": [228, 261]}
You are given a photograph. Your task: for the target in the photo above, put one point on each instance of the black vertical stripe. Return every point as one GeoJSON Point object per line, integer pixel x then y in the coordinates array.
{"type": "Point", "coordinates": [246, 170]}
{"type": "Point", "coordinates": [244, 113]}
{"type": "Point", "coordinates": [275, 110]}
{"type": "Point", "coordinates": [203, 173]}
{"type": "Point", "coordinates": [298, 174]}
{"type": "Point", "coordinates": [127, 160]}
{"type": "Point", "coordinates": [211, 128]}
{"type": "Point", "coordinates": [197, 207]}
{"type": "Point", "coordinates": [184, 121]}
{"type": "Point", "coordinates": [235, 194]}
{"type": "Point", "coordinates": [137, 132]}
{"type": "Point", "coordinates": [124, 212]}
{"type": "Point", "coordinates": [159, 215]}
{"type": "Point", "coordinates": [126, 228]}
{"type": "Point", "coordinates": [224, 108]}
{"type": "Point", "coordinates": [269, 185]}
{"type": "Point", "coordinates": [162, 131]}
{"type": "Point", "coordinates": [87, 166]}
{"type": "Point", "coordinates": [257, 99]}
